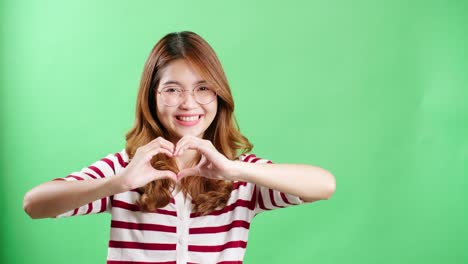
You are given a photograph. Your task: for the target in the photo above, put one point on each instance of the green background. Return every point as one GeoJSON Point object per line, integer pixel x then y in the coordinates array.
{"type": "Point", "coordinates": [374, 91]}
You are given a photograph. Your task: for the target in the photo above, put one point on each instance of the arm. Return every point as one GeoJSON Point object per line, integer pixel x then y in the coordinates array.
{"type": "Point", "coordinates": [104, 178]}
{"type": "Point", "coordinates": [308, 182]}
{"type": "Point", "coordinates": [56, 197]}
{"type": "Point", "coordinates": [305, 181]}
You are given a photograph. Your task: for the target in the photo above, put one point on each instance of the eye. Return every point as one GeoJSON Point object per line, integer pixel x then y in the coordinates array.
{"type": "Point", "coordinates": [203, 89]}
{"type": "Point", "coordinates": [171, 90]}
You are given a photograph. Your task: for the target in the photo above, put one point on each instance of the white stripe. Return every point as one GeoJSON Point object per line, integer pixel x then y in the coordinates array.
{"type": "Point", "coordinates": [296, 200]}
{"type": "Point", "coordinates": [120, 214]}
{"type": "Point", "coordinates": [216, 239]}
{"type": "Point", "coordinates": [233, 254]}
{"type": "Point", "coordinates": [266, 198]}
{"type": "Point", "coordinates": [130, 254]}
{"type": "Point", "coordinates": [142, 236]}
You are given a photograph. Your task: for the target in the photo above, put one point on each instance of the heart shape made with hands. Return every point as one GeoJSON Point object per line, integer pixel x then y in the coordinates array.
{"type": "Point", "coordinates": [191, 171]}
{"type": "Point", "coordinates": [212, 163]}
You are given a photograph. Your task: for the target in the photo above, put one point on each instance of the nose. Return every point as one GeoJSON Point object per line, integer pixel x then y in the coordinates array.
{"type": "Point", "coordinates": [188, 100]}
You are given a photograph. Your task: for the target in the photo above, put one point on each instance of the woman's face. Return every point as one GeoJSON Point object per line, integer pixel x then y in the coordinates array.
{"type": "Point", "coordinates": [188, 117]}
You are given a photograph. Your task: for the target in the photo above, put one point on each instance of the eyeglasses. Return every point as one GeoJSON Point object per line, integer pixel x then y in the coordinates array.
{"type": "Point", "coordinates": [172, 96]}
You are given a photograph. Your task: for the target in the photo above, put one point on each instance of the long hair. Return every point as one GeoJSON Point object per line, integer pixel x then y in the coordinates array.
{"type": "Point", "coordinates": [207, 194]}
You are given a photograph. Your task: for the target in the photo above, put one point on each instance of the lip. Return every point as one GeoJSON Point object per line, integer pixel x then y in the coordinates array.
{"type": "Point", "coordinates": [188, 123]}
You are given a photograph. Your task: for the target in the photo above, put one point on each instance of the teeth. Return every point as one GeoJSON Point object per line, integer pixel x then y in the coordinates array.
{"type": "Point", "coordinates": [188, 118]}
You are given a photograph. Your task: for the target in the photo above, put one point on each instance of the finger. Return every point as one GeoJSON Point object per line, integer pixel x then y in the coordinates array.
{"type": "Point", "coordinates": [180, 149]}
{"type": "Point", "coordinates": [181, 143]}
{"type": "Point", "coordinates": [188, 172]}
{"type": "Point", "coordinates": [162, 148]}
{"type": "Point", "coordinates": [203, 147]}
{"type": "Point", "coordinates": [160, 141]}
{"type": "Point", "coordinates": [165, 174]}
{"type": "Point", "coordinates": [189, 144]}
{"type": "Point", "coordinates": [202, 160]}
{"type": "Point", "coordinates": [158, 150]}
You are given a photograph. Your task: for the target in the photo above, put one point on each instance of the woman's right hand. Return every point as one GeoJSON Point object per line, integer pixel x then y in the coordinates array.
{"type": "Point", "coordinates": [140, 172]}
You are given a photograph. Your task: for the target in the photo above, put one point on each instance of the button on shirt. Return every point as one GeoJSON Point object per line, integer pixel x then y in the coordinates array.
{"type": "Point", "coordinates": [183, 207]}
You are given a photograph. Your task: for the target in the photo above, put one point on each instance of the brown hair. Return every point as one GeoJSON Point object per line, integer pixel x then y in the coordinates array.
{"type": "Point", "coordinates": [207, 194]}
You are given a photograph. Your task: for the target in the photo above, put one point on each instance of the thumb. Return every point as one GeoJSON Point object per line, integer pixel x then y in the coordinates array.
{"type": "Point", "coordinates": [188, 172]}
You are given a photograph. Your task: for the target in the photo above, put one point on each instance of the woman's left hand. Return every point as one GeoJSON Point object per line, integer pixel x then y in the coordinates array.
{"type": "Point", "coordinates": [213, 164]}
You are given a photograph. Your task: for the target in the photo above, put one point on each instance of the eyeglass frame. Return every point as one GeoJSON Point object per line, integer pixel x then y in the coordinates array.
{"type": "Point", "coordinates": [192, 93]}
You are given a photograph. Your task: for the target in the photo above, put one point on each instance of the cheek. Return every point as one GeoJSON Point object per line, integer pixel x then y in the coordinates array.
{"type": "Point", "coordinates": [163, 114]}
{"type": "Point", "coordinates": [213, 109]}
{"type": "Point", "coordinates": [213, 114]}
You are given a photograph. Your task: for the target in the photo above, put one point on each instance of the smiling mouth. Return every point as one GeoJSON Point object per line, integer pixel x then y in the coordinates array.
{"type": "Point", "coordinates": [188, 118]}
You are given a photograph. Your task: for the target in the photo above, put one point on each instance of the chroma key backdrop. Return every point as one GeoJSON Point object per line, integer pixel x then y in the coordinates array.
{"type": "Point", "coordinates": [374, 91]}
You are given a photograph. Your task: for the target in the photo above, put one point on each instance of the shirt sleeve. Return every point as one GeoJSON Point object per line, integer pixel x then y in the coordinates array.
{"type": "Point", "coordinates": [266, 198]}
{"type": "Point", "coordinates": [103, 168]}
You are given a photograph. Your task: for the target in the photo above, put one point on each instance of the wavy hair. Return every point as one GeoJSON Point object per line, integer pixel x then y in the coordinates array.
{"type": "Point", "coordinates": [207, 194]}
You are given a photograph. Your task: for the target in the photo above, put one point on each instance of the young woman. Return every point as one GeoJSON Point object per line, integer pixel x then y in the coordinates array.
{"type": "Point", "coordinates": [185, 188]}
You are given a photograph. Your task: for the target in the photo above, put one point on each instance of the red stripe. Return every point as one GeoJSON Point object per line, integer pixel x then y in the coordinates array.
{"type": "Point", "coordinates": [75, 211]}
{"type": "Point", "coordinates": [260, 201]}
{"type": "Point", "coordinates": [75, 177]}
{"type": "Point", "coordinates": [121, 161]}
{"type": "Point", "coordinates": [248, 157]}
{"type": "Point", "coordinates": [135, 208]}
{"type": "Point", "coordinates": [90, 208]}
{"type": "Point", "coordinates": [98, 171]}
{"type": "Point", "coordinates": [140, 226]}
{"type": "Point", "coordinates": [138, 262]}
{"type": "Point", "coordinates": [236, 185]}
{"type": "Point", "coordinates": [218, 248]}
{"type": "Point", "coordinates": [124, 205]}
{"type": "Point", "coordinates": [255, 160]}
{"type": "Point", "coordinates": [238, 203]}
{"type": "Point", "coordinates": [59, 179]}
{"type": "Point", "coordinates": [103, 204]}
{"type": "Point", "coordinates": [166, 212]}
{"type": "Point", "coordinates": [219, 229]}
{"type": "Point", "coordinates": [222, 262]}
{"type": "Point", "coordinates": [138, 245]}
{"type": "Point", "coordinates": [110, 163]}
{"type": "Point", "coordinates": [90, 175]}
{"type": "Point", "coordinates": [285, 199]}
{"type": "Point", "coordinates": [253, 199]}
{"type": "Point", "coordinates": [272, 198]}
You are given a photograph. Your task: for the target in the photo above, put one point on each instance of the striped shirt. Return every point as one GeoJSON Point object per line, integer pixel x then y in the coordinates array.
{"type": "Point", "coordinates": [174, 234]}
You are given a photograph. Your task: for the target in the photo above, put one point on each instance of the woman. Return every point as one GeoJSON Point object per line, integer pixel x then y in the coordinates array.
{"type": "Point", "coordinates": [184, 189]}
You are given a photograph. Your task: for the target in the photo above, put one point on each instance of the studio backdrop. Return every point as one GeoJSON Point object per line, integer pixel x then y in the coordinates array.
{"type": "Point", "coordinates": [373, 91]}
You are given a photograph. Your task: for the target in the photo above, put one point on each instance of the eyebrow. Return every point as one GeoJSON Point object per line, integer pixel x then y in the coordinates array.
{"type": "Point", "coordinates": [178, 83]}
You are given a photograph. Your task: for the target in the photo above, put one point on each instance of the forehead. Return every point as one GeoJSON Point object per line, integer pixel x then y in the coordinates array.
{"type": "Point", "coordinates": [180, 71]}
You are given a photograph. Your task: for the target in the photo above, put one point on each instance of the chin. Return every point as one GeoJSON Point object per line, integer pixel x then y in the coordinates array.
{"type": "Point", "coordinates": [189, 133]}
